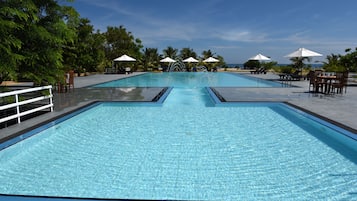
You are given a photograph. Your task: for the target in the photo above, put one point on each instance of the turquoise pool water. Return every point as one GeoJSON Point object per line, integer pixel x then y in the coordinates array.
{"type": "Point", "coordinates": [187, 79]}
{"type": "Point", "coordinates": [184, 150]}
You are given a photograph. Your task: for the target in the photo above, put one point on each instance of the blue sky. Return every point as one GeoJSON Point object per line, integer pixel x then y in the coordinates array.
{"type": "Point", "coordinates": [234, 29]}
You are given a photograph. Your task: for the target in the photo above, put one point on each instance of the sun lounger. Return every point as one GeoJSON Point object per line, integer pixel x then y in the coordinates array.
{"type": "Point", "coordinates": [258, 71]}
{"type": "Point", "coordinates": [296, 75]}
{"type": "Point", "coordinates": [127, 70]}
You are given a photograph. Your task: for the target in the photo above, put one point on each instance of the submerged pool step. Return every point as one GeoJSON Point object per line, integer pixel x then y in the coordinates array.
{"type": "Point", "coordinates": [188, 97]}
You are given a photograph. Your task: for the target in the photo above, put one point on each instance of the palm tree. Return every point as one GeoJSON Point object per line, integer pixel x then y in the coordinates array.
{"type": "Point", "coordinates": [333, 63]}
{"type": "Point", "coordinates": [151, 58]}
{"type": "Point", "coordinates": [170, 52]}
{"type": "Point", "coordinates": [187, 52]}
{"type": "Point", "coordinates": [298, 63]}
{"type": "Point", "coordinates": [349, 60]}
{"type": "Point", "coordinates": [207, 54]}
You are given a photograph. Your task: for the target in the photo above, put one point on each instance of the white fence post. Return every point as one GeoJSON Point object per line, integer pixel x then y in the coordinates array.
{"type": "Point", "coordinates": [17, 108]}
{"type": "Point", "coordinates": [51, 95]}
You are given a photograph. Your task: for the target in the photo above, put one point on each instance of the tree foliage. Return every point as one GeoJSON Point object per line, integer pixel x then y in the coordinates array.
{"type": "Point", "coordinates": [86, 53]}
{"type": "Point", "coordinates": [187, 52]}
{"type": "Point", "coordinates": [170, 52]}
{"type": "Point", "coordinates": [349, 60]}
{"type": "Point", "coordinates": [119, 41]}
{"type": "Point", "coordinates": [251, 64]}
{"type": "Point", "coordinates": [298, 62]}
{"type": "Point", "coordinates": [43, 42]}
{"type": "Point", "coordinates": [13, 18]}
{"type": "Point", "coordinates": [341, 63]}
{"type": "Point", "coordinates": [151, 58]}
{"type": "Point", "coordinates": [333, 63]}
{"type": "Point", "coordinates": [206, 54]}
{"type": "Point", "coordinates": [34, 35]}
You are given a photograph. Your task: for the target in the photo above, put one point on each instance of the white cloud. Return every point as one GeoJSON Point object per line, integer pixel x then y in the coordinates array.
{"type": "Point", "coordinates": [298, 38]}
{"type": "Point", "coordinates": [114, 6]}
{"type": "Point", "coordinates": [241, 36]}
{"type": "Point", "coordinates": [229, 47]}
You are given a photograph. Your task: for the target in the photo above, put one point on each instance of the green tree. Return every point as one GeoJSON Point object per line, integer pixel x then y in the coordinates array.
{"type": "Point", "coordinates": [98, 53]}
{"type": "Point", "coordinates": [333, 63]}
{"type": "Point", "coordinates": [341, 63]}
{"type": "Point", "coordinates": [119, 41]}
{"type": "Point", "coordinates": [87, 51]}
{"type": "Point", "coordinates": [151, 58]}
{"type": "Point", "coordinates": [14, 15]}
{"type": "Point", "coordinates": [43, 42]}
{"type": "Point", "coordinates": [221, 62]}
{"type": "Point", "coordinates": [170, 52]}
{"type": "Point", "coordinates": [33, 35]}
{"type": "Point", "coordinates": [349, 61]}
{"type": "Point", "coordinates": [206, 54]}
{"type": "Point", "coordinates": [270, 65]}
{"type": "Point", "coordinates": [251, 64]}
{"type": "Point", "coordinates": [298, 62]}
{"type": "Point", "coordinates": [187, 52]}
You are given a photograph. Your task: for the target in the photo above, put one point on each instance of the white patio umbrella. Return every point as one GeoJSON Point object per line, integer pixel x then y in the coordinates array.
{"type": "Point", "coordinates": [302, 52]}
{"type": "Point", "coordinates": [260, 57]}
{"type": "Point", "coordinates": [124, 58]}
{"type": "Point", "coordinates": [211, 60]}
{"type": "Point", "coordinates": [168, 60]}
{"type": "Point", "coordinates": [190, 60]}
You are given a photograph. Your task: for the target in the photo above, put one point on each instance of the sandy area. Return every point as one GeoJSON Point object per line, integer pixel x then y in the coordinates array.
{"type": "Point", "coordinates": [12, 83]}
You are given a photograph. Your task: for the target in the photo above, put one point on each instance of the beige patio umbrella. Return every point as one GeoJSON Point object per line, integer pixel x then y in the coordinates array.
{"type": "Point", "coordinates": [190, 60]}
{"type": "Point", "coordinates": [260, 57]}
{"type": "Point", "coordinates": [167, 60]}
{"type": "Point", "coordinates": [211, 60]}
{"type": "Point", "coordinates": [125, 58]}
{"type": "Point", "coordinates": [302, 52]}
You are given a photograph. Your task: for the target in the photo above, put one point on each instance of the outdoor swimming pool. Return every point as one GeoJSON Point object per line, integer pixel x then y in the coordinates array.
{"type": "Point", "coordinates": [184, 152]}
{"type": "Point", "coordinates": [187, 79]}
{"type": "Point", "coordinates": [185, 147]}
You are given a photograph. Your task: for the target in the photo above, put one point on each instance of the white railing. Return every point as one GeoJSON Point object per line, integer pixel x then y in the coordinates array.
{"type": "Point", "coordinates": [19, 103]}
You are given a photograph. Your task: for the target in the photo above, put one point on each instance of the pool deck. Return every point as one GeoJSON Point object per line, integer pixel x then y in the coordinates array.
{"type": "Point", "coordinates": [340, 108]}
